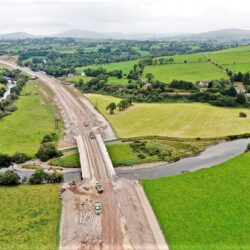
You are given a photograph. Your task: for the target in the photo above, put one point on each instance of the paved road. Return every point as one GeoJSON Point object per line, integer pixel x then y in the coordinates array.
{"type": "Point", "coordinates": [210, 157]}
{"type": "Point", "coordinates": [128, 221]}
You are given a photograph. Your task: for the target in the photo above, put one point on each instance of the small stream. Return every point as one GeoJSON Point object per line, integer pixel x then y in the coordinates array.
{"type": "Point", "coordinates": [9, 86]}
{"type": "Point", "coordinates": [211, 156]}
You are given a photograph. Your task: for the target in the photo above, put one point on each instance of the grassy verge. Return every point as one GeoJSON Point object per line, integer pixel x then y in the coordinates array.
{"type": "Point", "coordinates": [23, 130]}
{"type": "Point", "coordinates": [152, 150]}
{"type": "Point", "coordinates": [69, 161]}
{"type": "Point", "coordinates": [30, 217]}
{"type": "Point", "coordinates": [208, 209]}
{"type": "Point", "coordinates": [182, 120]}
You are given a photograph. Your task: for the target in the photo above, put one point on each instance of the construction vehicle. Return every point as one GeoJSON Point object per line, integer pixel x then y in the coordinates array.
{"type": "Point", "coordinates": [92, 135]}
{"type": "Point", "coordinates": [99, 187]}
{"type": "Point", "coordinates": [98, 208]}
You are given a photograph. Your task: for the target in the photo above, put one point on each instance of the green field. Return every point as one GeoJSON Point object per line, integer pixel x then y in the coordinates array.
{"type": "Point", "coordinates": [111, 80]}
{"type": "Point", "coordinates": [205, 210]}
{"type": "Point", "coordinates": [124, 66]}
{"type": "Point", "coordinates": [122, 154]}
{"type": "Point", "coordinates": [23, 130]}
{"type": "Point", "coordinates": [241, 67]}
{"type": "Point", "coordinates": [68, 161]}
{"type": "Point", "coordinates": [30, 217]}
{"type": "Point", "coordinates": [235, 59]}
{"type": "Point", "coordinates": [230, 58]}
{"type": "Point", "coordinates": [185, 120]}
{"type": "Point", "coordinates": [185, 71]}
{"type": "Point", "coordinates": [189, 58]}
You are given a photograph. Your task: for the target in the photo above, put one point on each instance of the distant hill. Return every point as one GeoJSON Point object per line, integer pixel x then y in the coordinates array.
{"type": "Point", "coordinates": [16, 35]}
{"type": "Point", "coordinates": [225, 34]}
{"type": "Point", "coordinates": [76, 33]}
{"type": "Point", "coordinates": [221, 35]}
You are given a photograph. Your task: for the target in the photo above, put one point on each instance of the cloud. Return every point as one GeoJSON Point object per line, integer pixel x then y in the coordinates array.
{"type": "Point", "coordinates": [161, 16]}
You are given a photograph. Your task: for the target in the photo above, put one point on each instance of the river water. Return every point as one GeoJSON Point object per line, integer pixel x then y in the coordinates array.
{"type": "Point", "coordinates": [211, 156]}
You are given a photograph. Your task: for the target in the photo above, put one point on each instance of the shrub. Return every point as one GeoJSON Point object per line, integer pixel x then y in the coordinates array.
{"type": "Point", "coordinates": [20, 158]}
{"type": "Point", "coordinates": [9, 178]}
{"type": "Point", "coordinates": [241, 98]}
{"type": "Point", "coordinates": [47, 151]}
{"type": "Point", "coordinates": [49, 138]}
{"type": "Point", "coordinates": [54, 177]}
{"type": "Point", "coordinates": [5, 160]}
{"type": "Point", "coordinates": [242, 114]}
{"type": "Point", "coordinates": [38, 176]}
{"type": "Point", "coordinates": [248, 148]}
{"type": "Point", "coordinates": [141, 156]}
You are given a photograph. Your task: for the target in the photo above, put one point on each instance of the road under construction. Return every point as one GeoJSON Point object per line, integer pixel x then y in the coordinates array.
{"type": "Point", "coordinates": [127, 220]}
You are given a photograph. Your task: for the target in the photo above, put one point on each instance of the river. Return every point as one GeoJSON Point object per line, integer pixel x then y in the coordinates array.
{"type": "Point", "coordinates": [211, 156]}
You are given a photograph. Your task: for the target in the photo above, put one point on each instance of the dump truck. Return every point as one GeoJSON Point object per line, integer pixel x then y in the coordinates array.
{"type": "Point", "coordinates": [98, 208]}
{"type": "Point", "coordinates": [92, 135]}
{"type": "Point", "coordinates": [99, 187]}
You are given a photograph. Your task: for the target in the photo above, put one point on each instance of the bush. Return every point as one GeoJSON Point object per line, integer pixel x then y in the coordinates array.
{"type": "Point", "coordinates": [242, 115]}
{"type": "Point", "coordinates": [38, 176]}
{"type": "Point", "coordinates": [141, 156]}
{"type": "Point", "coordinates": [248, 148]}
{"type": "Point", "coordinates": [20, 158]}
{"type": "Point", "coordinates": [5, 160]}
{"type": "Point", "coordinates": [47, 151]}
{"type": "Point", "coordinates": [49, 138]}
{"type": "Point", "coordinates": [54, 177]}
{"type": "Point", "coordinates": [9, 178]}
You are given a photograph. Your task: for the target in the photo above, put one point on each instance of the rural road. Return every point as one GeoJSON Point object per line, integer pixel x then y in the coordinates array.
{"type": "Point", "coordinates": [128, 221]}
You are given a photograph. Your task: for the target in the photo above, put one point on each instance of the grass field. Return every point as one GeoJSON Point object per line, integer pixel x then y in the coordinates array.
{"type": "Point", "coordinates": [231, 58]}
{"type": "Point", "coordinates": [185, 71]}
{"type": "Point", "coordinates": [122, 154]}
{"type": "Point", "coordinates": [124, 66]}
{"type": "Point", "coordinates": [111, 80]}
{"type": "Point", "coordinates": [23, 130]}
{"type": "Point", "coordinates": [187, 120]}
{"type": "Point", "coordinates": [189, 58]}
{"type": "Point", "coordinates": [30, 217]}
{"type": "Point", "coordinates": [241, 67]}
{"type": "Point", "coordinates": [68, 161]}
{"type": "Point", "coordinates": [205, 210]}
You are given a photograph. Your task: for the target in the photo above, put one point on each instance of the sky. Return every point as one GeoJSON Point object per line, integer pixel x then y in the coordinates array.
{"type": "Point", "coordinates": [42, 17]}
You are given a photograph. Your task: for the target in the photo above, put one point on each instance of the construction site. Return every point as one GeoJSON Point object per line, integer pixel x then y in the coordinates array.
{"type": "Point", "coordinates": [100, 210]}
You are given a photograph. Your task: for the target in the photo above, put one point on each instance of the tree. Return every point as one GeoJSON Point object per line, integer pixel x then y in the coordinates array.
{"type": "Point", "coordinates": [241, 99]}
{"type": "Point", "coordinates": [149, 77]}
{"type": "Point", "coordinates": [111, 107]}
{"type": "Point", "coordinates": [9, 178]}
{"type": "Point", "coordinates": [47, 151]}
{"type": "Point", "coordinates": [162, 60]}
{"type": "Point", "coordinates": [231, 91]}
{"type": "Point", "coordinates": [20, 158]}
{"type": "Point", "coordinates": [5, 160]}
{"type": "Point", "coordinates": [38, 176]}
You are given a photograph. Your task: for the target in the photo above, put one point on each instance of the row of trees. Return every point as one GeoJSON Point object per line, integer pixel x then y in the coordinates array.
{"type": "Point", "coordinates": [10, 177]}
{"type": "Point", "coordinates": [122, 105]}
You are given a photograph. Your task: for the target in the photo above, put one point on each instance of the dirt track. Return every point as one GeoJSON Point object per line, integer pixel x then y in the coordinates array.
{"type": "Point", "coordinates": [127, 220]}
